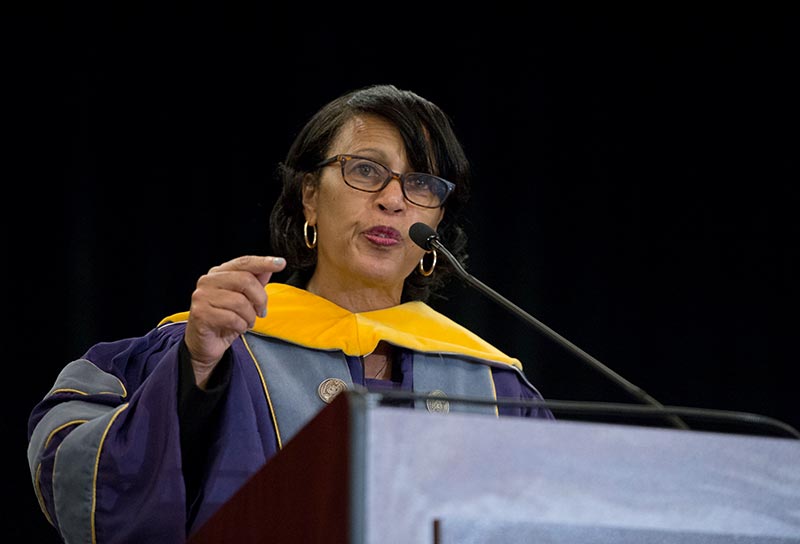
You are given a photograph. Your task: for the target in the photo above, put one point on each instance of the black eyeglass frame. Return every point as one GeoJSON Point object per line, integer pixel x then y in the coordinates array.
{"type": "Point", "coordinates": [342, 158]}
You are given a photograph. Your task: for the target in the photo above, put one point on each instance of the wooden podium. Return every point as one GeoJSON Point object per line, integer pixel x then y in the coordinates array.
{"type": "Point", "coordinates": [363, 473]}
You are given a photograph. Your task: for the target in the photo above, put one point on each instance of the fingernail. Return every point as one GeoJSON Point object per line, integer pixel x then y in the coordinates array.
{"type": "Point", "coordinates": [278, 261]}
{"type": "Point", "coordinates": [264, 312]}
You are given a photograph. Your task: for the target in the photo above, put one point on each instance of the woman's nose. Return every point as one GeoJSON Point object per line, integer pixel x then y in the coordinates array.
{"type": "Point", "coordinates": [391, 198]}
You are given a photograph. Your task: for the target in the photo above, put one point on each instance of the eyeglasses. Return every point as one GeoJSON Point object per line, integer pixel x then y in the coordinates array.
{"type": "Point", "coordinates": [425, 190]}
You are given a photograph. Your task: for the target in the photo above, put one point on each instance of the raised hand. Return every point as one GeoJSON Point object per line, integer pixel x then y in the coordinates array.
{"type": "Point", "coordinates": [225, 303]}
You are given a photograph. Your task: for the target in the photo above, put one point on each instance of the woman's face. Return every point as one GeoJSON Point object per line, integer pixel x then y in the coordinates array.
{"type": "Point", "coordinates": [362, 238]}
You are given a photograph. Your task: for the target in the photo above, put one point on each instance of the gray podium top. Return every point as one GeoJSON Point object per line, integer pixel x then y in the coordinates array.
{"type": "Point", "coordinates": [467, 478]}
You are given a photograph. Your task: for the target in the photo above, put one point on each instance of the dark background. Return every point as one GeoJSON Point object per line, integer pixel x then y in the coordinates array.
{"type": "Point", "coordinates": [635, 181]}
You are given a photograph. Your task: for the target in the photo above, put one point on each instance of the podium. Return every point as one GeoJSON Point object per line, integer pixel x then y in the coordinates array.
{"type": "Point", "coordinates": [362, 473]}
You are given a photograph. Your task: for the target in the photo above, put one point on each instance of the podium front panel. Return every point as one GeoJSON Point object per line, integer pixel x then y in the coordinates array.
{"type": "Point", "coordinates": [549, 478]}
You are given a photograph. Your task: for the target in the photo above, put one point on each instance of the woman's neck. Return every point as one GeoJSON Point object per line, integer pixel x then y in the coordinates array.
{"type": "Point", "coordinates": [355, 298]}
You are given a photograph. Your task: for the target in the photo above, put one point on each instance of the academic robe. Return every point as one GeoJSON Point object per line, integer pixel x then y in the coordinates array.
{"type": "Point", "coordinates": [105, 449]}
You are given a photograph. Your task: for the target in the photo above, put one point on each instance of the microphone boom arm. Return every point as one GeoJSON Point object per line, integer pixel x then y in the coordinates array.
{"type": "Point", "coordinates": [493, 295]}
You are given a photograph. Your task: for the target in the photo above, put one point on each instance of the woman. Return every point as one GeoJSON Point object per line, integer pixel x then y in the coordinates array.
{"type": "Point", "coordinates": [142, 439]}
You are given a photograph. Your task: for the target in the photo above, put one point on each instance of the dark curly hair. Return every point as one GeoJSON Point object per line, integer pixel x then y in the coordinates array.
{"type": "Point", "coordinates": [431, 146]}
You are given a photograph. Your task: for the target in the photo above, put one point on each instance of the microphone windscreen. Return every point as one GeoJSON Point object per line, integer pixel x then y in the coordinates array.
{"type": "Point", "coordinates": [422, 235]}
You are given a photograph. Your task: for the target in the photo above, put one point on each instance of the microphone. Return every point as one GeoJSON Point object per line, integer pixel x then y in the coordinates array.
{"type": "Point", "coordinates": [427, 238]}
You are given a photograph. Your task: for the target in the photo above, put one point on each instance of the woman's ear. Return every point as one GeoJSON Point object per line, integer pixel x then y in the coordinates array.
{"type": "Point", "coordinates": [310, 191]}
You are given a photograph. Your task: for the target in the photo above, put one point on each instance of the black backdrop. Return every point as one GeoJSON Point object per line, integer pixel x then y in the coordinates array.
{"type": "Point", "coordinates": [635, 181]}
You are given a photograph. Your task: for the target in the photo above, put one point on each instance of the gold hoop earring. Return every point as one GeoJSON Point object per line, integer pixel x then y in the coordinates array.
{"type": "Point", "coordinates": [421, 266]}
{"type": "Point", "coordinates": [313, 243]}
